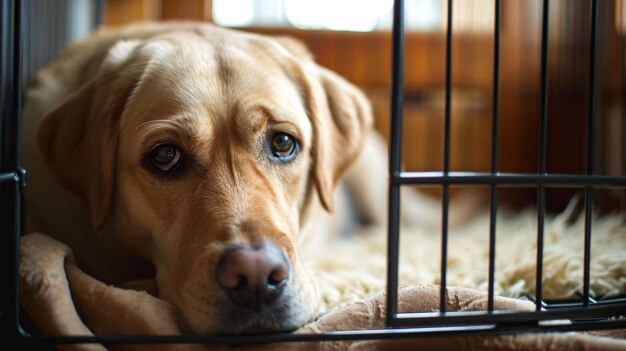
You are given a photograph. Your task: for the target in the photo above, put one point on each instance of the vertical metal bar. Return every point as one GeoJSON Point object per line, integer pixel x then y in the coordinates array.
{"type": "Point", "coordinates": [495, 135]}
{"type": "Point", "coordinates": [17, 138]}
{"type": "Point", "coordinates": [395, 158]}
{"type": "Point", "coordinates": [446, 163]}
{"type": "Point", "coordinates": [11, 75]}
{"type": "Point", "coordinates": [590, 150]}
{"type": "Point", "coordinates": [621, 53]}
{"type": "Point", "coordinates": [543, 145]}
{"type": "Point", "coordinates": [543, 142]}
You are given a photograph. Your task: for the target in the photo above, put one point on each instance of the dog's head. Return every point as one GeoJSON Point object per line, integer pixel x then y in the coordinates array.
{"type": "Point", "coordinates": [201, 151]}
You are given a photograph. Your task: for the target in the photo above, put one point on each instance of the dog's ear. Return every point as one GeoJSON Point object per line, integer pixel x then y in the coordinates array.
{"type": "Point", "coordinates": [78, 139]}
{"type": "Point", "coordinates": [341, 117]}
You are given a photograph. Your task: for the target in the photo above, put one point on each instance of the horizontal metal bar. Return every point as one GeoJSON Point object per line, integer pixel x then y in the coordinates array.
{"type": "Point", "coordinates": [343, 335]}
{"type": "Point", "coordinates": [504, 179]}
{"type": "Point", "coordinates": [552, 304]}
{"type": "Point", "coordinates": [349, 335]}
{"type": "Point", "coordinates": [593, 301]}
{"type": "Point", "coordinates": [9, 177]}
{"type": "Point", "coordinates": [15, 177]}
{"type": "Point", "coordinates": [468, 317]}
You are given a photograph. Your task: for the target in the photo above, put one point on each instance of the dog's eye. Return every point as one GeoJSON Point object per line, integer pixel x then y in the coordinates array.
{"type": "Point", "coordinates": [283, 147]}
{"type": "Point", "coordinates": [165, 157]}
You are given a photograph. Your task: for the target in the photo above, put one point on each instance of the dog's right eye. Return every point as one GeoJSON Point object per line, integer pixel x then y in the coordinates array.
{"type": "Point", "coordinates": [165, 157]}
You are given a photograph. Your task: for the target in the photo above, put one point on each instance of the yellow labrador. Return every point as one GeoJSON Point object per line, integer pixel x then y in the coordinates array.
{"type": "Point", "coordinates": [195, 155]}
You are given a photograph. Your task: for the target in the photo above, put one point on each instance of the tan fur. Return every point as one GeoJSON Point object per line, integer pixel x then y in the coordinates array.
{"type": "Point", "coordinates": [97, 110]}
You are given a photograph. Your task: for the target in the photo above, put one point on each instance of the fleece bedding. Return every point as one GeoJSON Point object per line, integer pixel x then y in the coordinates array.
{"type": "Point", "coordinates": [62, 300]}
{"type": "Point", "coordinates": [342, 281]}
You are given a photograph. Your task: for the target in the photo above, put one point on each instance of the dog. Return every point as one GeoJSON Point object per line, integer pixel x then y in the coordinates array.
{"type": "Point", "coordinates": [194, 162]}
{"type": "Point", "coordinates": [205, 166]}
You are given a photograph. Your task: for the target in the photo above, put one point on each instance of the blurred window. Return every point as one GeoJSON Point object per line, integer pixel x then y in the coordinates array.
{"type": "Point", "coordinates": [354, 15]}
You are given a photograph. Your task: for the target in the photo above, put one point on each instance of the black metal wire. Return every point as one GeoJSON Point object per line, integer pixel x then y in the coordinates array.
{"type": "Point", "coordinates": [395, 160]}
{"type": "Point", "coordinates": [17, 215]}
{"type": "Point", "coordinates": [12, 176]}
{"type": "Point", "coordinates": [450, 323]}
{"type": "Point", "coordinates": [448, 99]}
{"type": "Point", "coordinates": [446, 164]}
{"type": "Point", "coordinates": [348, 335]}
{"type": "Point", "coordinates": [12, 179]}
{"type": "Point", "coordinates": [469, 317]}
{"type": "Point", "coordinates": [590, 149]}
{"type": "Point", "coordinates": [495, 136]}
{"type": "Point", "coordinates": [510, 179]}
{"type": "Point", "coordinates": [543, 146]}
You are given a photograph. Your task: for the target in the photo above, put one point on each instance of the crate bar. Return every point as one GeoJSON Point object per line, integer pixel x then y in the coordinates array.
{"type": "Point", "coordinates": [476, 317]}
{"type": "Point", "coordinates": [510, 179]}
{"type": "Point", "coordinates": [16, 162]}
{"type": "Point", "coordinates": [347, 335]}
{"type": "Point", "coordinates": [9, 177]}
{"type": "Point", "coordinates": [10, 217]}
{"type": "Point", "coordinates": [371, 334]}
{"type": "Point", "coordinates": [495, 135]}
{"type": "Point", "coordinates": [508, 325]}
{"type": "Point", "coordinates": [446, 163]}
{"type": "Point", "coordinates": [395, 158]}
{"type": "Point", "coordinates": [543, 146]}
{"type": "Point", "coordinates": [590, 149]}
{"type": "Point", "coordinates": [570, 304]}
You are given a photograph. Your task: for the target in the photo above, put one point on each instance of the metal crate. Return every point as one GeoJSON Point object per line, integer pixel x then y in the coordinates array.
{"type": "Point", "coordinates": [585, 314]}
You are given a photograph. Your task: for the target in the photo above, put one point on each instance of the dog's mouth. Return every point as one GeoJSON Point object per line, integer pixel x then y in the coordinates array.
{"type": "Point", "coordinates": [275, 309]}
{"type": "Point", "coordinates": [264, 321]}
{"type": "Point", "coordinates": [285, 314]}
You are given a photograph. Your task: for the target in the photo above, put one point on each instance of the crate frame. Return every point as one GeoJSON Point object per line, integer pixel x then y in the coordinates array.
{"type": "Point", "coordinates": [586, 314]}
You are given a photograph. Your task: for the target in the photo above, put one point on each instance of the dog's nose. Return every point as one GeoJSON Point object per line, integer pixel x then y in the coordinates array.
{"type": "Point", "coordinates": [253, 276]}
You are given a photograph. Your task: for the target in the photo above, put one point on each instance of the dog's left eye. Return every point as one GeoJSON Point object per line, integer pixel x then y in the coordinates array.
{"type": "Point", "coordinates": [283, 147]}
{"type": "Point", "coordinates": [165, 157]}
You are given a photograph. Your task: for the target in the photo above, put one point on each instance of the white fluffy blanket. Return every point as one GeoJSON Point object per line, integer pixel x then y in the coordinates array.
{"type": "Point", "coordinates": [355, 267]}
